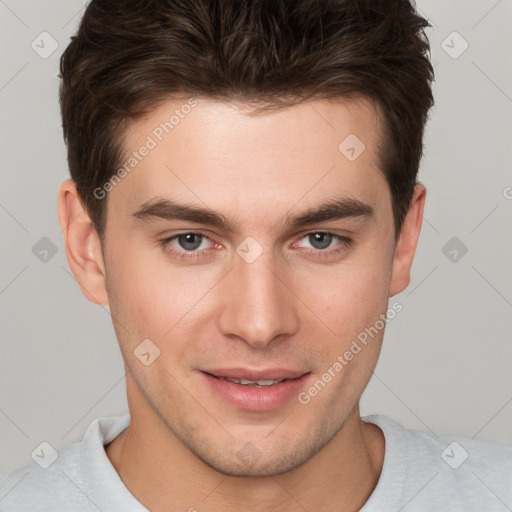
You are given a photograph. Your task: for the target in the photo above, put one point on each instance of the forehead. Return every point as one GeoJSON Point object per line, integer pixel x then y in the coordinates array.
{"type": "Point", "coordinates": [215, 154]}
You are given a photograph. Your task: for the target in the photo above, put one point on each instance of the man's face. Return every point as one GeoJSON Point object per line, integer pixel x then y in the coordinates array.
{"type": "Point", "coordinates": [260, 292]}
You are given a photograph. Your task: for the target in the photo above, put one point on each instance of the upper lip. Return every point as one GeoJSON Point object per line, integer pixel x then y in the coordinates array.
{"type": "Point", "coordinates": [253, 374]}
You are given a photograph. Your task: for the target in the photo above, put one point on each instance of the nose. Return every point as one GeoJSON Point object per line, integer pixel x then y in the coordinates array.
{"type": "Point", "coordinates": [257, 303]}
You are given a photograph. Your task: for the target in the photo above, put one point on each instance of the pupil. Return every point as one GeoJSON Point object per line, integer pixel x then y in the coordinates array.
{"type": "Point", "coordinates": [320, 240]}
{"type": "Point", "coordinates": [187, 241]}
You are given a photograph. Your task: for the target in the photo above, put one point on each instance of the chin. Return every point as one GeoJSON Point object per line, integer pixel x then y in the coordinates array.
{"type": "Point", "coordinates": [254, 459]}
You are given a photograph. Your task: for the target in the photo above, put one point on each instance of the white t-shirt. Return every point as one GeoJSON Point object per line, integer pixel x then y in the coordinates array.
{"type": "Point", "coordinates": [420, 473]}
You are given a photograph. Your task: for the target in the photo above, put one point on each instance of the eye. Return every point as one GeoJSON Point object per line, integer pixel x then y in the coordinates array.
{"type": "Point", "coordinates": [324, 243]}
{"type": "Point", "coordinates": [190, 241]}
{"type": "Point", "coordinates": [320, 240]}
{"type": "Point", "coordinates": [191, 245]}
{"type": "Point", "coordinates": [188, 245]}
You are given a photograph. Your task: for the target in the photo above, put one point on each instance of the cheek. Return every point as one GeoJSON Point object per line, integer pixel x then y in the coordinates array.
{"type": "Point", "coordinates": [154, 299]}
{"type": "Point", "coordinates": [352, 297]}
{"type": "Point", "coordinates": [135, 295]}
{"type": "Point", "coordinates": [352, 305]}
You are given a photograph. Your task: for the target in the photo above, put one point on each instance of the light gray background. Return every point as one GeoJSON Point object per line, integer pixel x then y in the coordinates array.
{"type": "Point", "coordinates": [446, 360]}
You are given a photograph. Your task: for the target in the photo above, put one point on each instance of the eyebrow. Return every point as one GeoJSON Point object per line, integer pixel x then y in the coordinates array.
{"type": "Point", "coordinates": [335, 209]}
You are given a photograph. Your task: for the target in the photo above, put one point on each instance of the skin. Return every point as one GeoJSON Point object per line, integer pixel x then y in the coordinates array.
{"type": "Point", "coordinates": [293, 307]}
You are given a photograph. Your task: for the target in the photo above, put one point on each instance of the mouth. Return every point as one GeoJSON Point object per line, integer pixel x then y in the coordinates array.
{"type": "Point", "coordinates": [255, 390]}
{"type": "Point", "coordinates": [248, 382]}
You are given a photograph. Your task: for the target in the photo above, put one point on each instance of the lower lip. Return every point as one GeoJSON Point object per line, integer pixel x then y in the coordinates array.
{"type": "Point", "coordinates": [254, 398]}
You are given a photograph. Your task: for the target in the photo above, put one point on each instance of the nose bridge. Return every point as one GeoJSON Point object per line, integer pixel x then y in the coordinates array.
{"type": "Point", "coordinates": [257, 306]}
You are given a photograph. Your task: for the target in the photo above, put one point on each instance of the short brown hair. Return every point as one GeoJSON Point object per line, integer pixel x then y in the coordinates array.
{"type": "Point", "coordinates": [127, 56]}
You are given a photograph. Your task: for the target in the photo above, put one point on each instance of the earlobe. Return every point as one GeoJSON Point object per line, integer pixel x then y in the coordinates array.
{"type": "Point", "coordinates": [407, 242]}
{"type": "Point", "coordinates": [82, 244]}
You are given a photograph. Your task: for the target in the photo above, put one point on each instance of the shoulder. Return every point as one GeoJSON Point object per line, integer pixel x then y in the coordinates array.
{"type": "Point", "coordinates": [34, 487]}
{"type": "Point", "coordinates": [461, 452]}
{"type": "Point", "coordinates": [61, 481]}
{"type": "Point", "coordinates": [448, 468]}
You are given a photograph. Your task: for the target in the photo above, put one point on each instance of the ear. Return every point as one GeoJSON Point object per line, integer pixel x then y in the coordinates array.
{"type": "Point", "coordinates": [407, 242]}
{"type": "Point", "coordinates": [82, 243]}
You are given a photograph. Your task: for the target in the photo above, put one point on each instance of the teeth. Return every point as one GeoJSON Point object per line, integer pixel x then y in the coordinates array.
{"type": "Point", "coordinates": [246, 382]}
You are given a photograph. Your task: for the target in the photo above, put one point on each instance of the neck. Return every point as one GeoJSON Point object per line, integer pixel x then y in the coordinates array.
{"type": "Point", "coordinates": [164, 474]}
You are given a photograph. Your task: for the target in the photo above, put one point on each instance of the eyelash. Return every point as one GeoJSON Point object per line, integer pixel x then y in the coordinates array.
{"type": "Point", "coordinates": [166, 243]}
